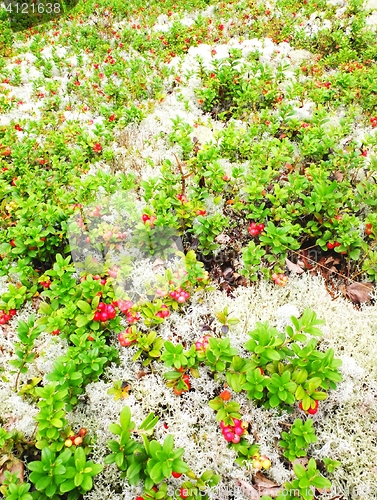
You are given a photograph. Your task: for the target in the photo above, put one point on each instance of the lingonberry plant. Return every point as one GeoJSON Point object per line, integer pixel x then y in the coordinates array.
{"type": "Point", "coordinates": [201, 138]}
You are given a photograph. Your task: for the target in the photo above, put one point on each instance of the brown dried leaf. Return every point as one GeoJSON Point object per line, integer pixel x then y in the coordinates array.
{"type": "Point", "coordinates": [248, 490]}
{"type": "Point", "coordinates": [15, 466]}
{"type": "Point", "coordinates": [294, 268]}
{"type": "Point", "coordinates": [263, 481]}
{"type": "Point", "coordinates": [338, 176]}
{"type": "Point", "coordinates": [359, 292]}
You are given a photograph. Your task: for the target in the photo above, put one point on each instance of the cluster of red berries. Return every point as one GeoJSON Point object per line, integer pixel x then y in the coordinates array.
{"type": "Point", "coordinates": [186, 380]}
{"type": "Point", "coordinates": [127, 337]}
{"type": "Point", "coordinates": [179, 295]}
{"type": "Point", "coordinates": [201, 212]}
{"type": "Point", "coordinates": [202, 343]}
{"type": "Point", "coordinates": [125, 307]}
{"type": "Point", "coordinates": [310, 410]}
{"type": "Point", "coordinates": [104, 312]}
{"type": "Point", "coordinates": [330, 246]}
{"type": "Point", "coordinates": [373, 121]}
{"type": "Point", "coordinates": [254, 228]}
{"type": "Point", "coordinates": [368, 228]}
{"type": "Point", "coordinates": [5, 317]}
{"type": "Point", "coordinates": [280, 279]}
{"type": "Point", "coordinates": [183, 198]}
{"type": "Point", "coordinates": [148, 218]}
{"type": "Point", "coordinates": [97, 148]}
{"type": "Point", "coordinates": [96, 212]}
{"type": "Point", "coordinates": [232, 433]}
{"type": "Point", "coordinates": [75, 439]}
{"type": "Point", "coordinates": [45, 284]}
{"type": "Point", "coordinates": [163, 312]}
{"type": "Point", "coordinates": [97, 277]}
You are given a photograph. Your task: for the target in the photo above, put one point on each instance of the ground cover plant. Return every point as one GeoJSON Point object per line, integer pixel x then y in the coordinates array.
{"type": "Point", "coordinates": [188, 250]}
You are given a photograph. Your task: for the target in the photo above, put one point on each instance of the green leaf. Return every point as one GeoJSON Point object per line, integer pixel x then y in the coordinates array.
{"type": "Point", "coordinates": [84, 306]}
{"type": "Point", "coordinates": [80, 459]}
{"type": "Point", "coordinates": [115, 429]}
{"type": "Point", "coordinates": [43, 482]}
{"type": "Point", "coordinates": [56, 422]}
{"type": "Point", "coordinates": [125, 417]}
{"type": "Point", "coordinates": [67, 485]}
{"type": "Point", "coordinates": [82, 320]}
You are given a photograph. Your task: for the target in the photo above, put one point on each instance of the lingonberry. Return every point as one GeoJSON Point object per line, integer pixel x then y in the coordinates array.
{"type": "Point", "coordinates": [330, 246]}
{"type": "Point", "coordinates": [55, 332]}
{"type": "Point", "coordinates": [177, 392]}
{"type": "Point", "coordinates": [310, 410]}
{"type": "Point", "coordinates": [176, 474]}
{"type": "Point", "coordinates": [77, 441]}
{"type": "Point", "coordinates": [82, 432]}
{"type": "Point", "coordinates": [12, 243]}
{"type": "Point", "coordinates": [225, 395]}
{"type": "Point", "coordinates": [184, 493]}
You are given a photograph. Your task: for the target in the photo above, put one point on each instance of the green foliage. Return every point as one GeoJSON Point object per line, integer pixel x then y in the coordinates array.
{"type": "Point", "coordinates": [65, 472]}
{"type": "Point", "coordinates": [296, 442]}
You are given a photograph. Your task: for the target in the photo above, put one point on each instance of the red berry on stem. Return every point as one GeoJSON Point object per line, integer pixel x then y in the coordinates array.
{"type": "Point", "coordinates": [176, 474]}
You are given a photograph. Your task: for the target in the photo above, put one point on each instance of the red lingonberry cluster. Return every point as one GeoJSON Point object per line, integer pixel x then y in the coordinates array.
{"type": "Point", "coordinates": [5, 317]}
{"type": "Point", "coordinates": [148, 219]}
{"type": "Point", "coordinates": [104, 312]}
{"type": "Point", "coordinates": [163, 312]}
{"type": "Point", "coordinates": [186, 380]}
{"type": "Point", "coordinates": [373, 121]}
{"type": "Point", "coordinates": [280, 279]}
{"type": "Point", "coordinates": [368, 228]}
{"type": "Point", "coordinates": [125, 307]}
{"type": "Point", "coordinates": [255, 229]}
{"type": "Point", "coordinates": [310, 410]}
{"type": "Point", "coordinates": [202, 343]}
{"type": "Point", "coordinates": [75, 439]}
{"type": "Point", "coordinates": [179, 295]}
{"type": "Point", "coordinates": [330, 246]}
{"type": "Point", "coordinates": [127, 337]}
{"type": "Point", "coordinates": [96, 212]}
{"type": "Point", "coordinates": [201, 212]}
{"type": "Point", "coordinates": [232, 433]}
{"type": "Point", "coordinates": [97, 277]}
{"type": "Point", "coordinates": [183, 198]}
{"type": "Point", "coordinates": [45, 284]}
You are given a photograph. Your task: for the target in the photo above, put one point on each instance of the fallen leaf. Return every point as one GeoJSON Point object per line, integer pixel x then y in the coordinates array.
{"type": "Point", "coordinates": [338, 176]}
{"type": "Point", "coordinates": [294, 268]}
{"type": "Point", "coordinates": [359, 292]}
{"type": "Point", "coordinates": [248, 490]}
{"type": "Point", "coordinates": [14, 466]}
{"type": "Point", "coordinates": [222, 239]}
{"type": "Point", "coordinates": [263, 481]}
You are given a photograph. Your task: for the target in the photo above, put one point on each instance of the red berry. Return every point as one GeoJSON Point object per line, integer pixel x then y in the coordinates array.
{"type": "Point", "coordinates": [101, 306]}
{"type": "Point", "coordinates": [177, 392]}
{"type": "Point", "coordinates": [184, 493]}
{"type": "Point", "coordinates": [104, 316]}
{"type": "Point", "coordinates": [176, 474]}
{"type": "Point", "coordinates": [336, 244]}
{"type": "Point", "coordinates": [12, 243]}
{"type": "Point", "coordinates": [55, 332]}
{"type": "Point", "coordinates": [313, 411]}
{"type": "Point", "coordinates": [260, 227]}
{"type": "Point", "coordinates": [97, 316]}
{"type": "Point", "coordinates": [145, 217]}
{"type": "Point", "coordinates": [330, 246]}
{"type": "Point", "coordinates": [225, 395]}
{"type": "Point", "coordinates": [368, 230]}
